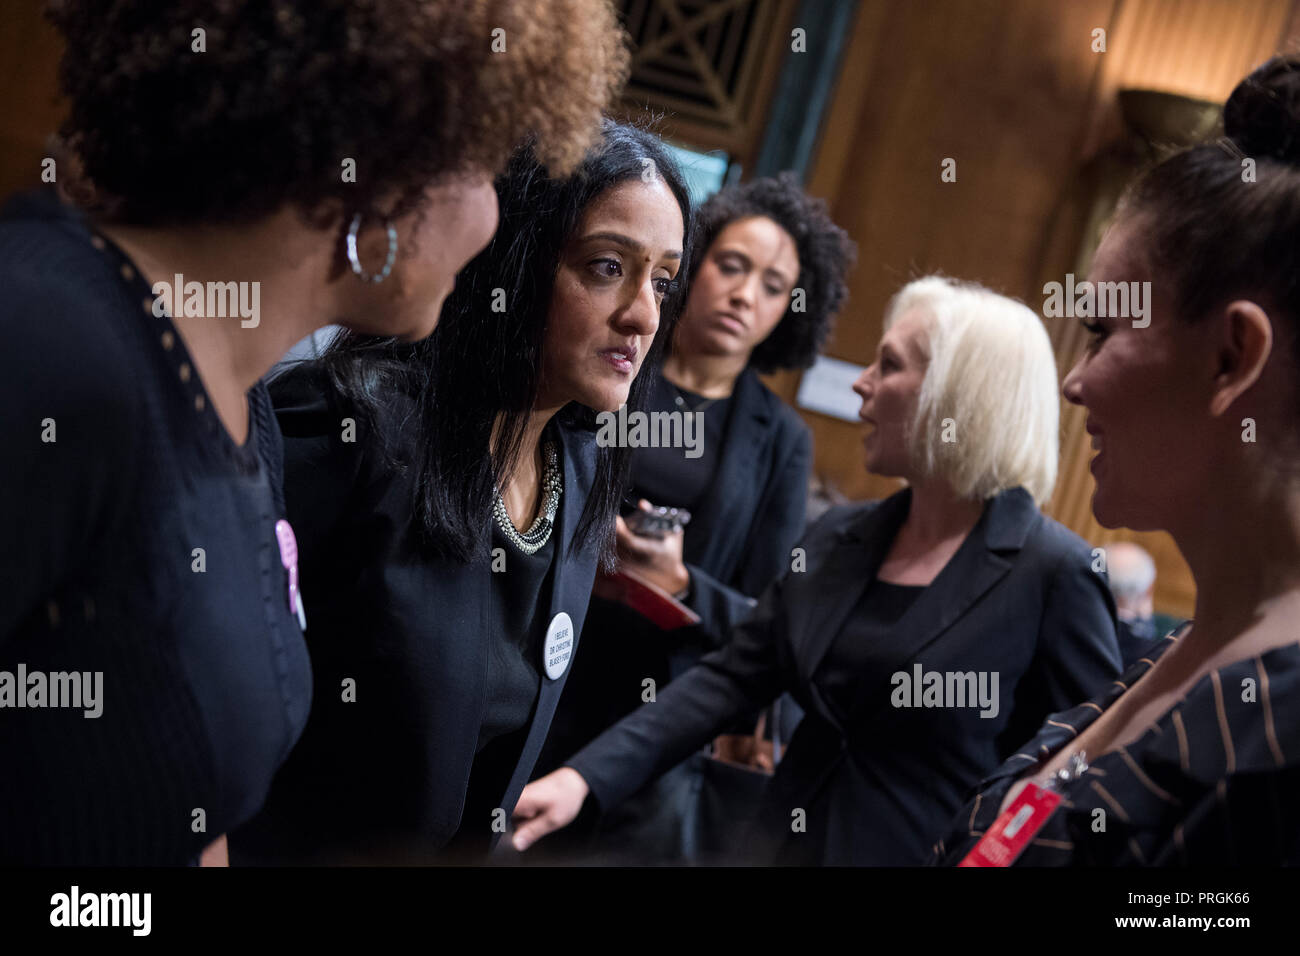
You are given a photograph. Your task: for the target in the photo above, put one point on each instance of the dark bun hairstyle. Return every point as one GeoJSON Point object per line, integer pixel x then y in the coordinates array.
{"type": "Point", "coordinates": [825, 255]}
{"type": "Point", "coordinates": [1222, 220]}
{"type": "Point", "coordinates": [1262, 116]}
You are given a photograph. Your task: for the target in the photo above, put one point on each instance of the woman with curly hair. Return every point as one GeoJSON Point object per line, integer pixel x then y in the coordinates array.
{"type": "Point", "coordinates": [248, 173]}
{"type": "Point", "coordinates": [768, 279]}
{"type": "Point", "coordinates": [921, 634]}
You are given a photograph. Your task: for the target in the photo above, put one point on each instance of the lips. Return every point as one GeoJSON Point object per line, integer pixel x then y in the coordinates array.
{"type": "Point", "coordinates": [622, 358]}
{"type": "Point", "coordinates": [867, 433]}
{"type": "Point", "coordinates": [1095, 432]}
{"type": "Point", "coordinates": [731, 321]}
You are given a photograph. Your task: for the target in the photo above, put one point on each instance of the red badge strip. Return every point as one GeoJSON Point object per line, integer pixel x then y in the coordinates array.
{"type": "Point", "coordinates": [1014, 828]}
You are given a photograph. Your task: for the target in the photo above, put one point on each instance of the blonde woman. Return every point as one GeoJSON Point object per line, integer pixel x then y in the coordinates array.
{"type": "Point", "coordinates": [924, 634]}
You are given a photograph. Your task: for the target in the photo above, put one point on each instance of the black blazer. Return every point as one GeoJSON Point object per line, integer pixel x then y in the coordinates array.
{"type": "Point", "coordinates": [738, 541]}
{"type": "Point", "coordinates": [740, 537]}
{"type": "Point", "coordinates": [384, 778]}
{"type": "Point", "coordinates": [1018, 598]}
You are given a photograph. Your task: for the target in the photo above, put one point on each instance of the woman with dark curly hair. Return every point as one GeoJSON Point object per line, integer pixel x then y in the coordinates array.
{"type": "Point", "coordinates": [768, 278]}
{"type": "Point", "coordinates": [248, 172]}
{"type": "Point", "coordinates": [453, 543]}
{"type": "Point", "coordinates": [921, 634]}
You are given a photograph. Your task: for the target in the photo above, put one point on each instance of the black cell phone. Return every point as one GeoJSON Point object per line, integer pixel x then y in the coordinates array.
{"type": "Point", "coordinates": [658, 522]}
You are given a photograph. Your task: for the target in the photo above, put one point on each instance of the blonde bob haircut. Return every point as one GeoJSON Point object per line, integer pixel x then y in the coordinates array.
{"type": "Point", "coordinates": [988, 415]}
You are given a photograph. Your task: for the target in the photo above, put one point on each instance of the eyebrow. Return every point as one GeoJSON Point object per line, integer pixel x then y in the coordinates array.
{"type": "Point", "coordinates": [629, 242]}
{"type": "Point", "coordinates": [769, 271]}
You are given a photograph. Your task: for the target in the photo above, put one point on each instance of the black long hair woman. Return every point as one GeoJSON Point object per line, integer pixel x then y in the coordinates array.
{"type": "Point", "coordinates": [440, 631]}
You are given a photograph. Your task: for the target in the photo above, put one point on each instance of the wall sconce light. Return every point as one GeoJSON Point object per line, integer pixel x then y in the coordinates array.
{"type": "Point", "coordinates": [1156, 124]}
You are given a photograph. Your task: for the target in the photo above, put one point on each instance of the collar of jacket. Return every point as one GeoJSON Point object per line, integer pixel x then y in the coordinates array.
{"type": "Point", "coordinates": [573, 575]}
{"type": "Point", "coordinates": [1006, 521]}
{"type": "Point", "coordinates": [731, 499]}
{"type": "Point", "coordinates": [981, 561]}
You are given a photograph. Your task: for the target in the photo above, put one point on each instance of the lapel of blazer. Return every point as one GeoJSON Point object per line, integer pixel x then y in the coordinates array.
{"type": "Point", "coordinates": [570, 593]}
{"type": "Point", "coordinates": [729, 502]}
{"type": "Point", "coordinates": [851, 563]}
{"type": "Point", "coordinates": [981, 562]}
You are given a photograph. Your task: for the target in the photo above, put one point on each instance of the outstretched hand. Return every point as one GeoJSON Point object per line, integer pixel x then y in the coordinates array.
{"type": "Point", "coordinates": [547, 805]}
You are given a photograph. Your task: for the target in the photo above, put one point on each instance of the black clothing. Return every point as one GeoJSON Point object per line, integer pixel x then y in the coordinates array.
{"type": "Point", "coordinates": [1018, 600]}
{"type": "Point", "coordinates": [667, 476]}
{"type": "Point", "coordinates": [517, 619]}
{"type": "Point", "coordinates": [754, 471]}
{"type": "Point", "coordinates": [865, 631]}
{"type": "Point", "coordinates": [1137, 635]}
{"type": "Point", "coordinates": [1135, 638]}
{"type": "Point", "coordinates": [1213, 782]}
{"type": "Point", "coordinates": [140, 544]}
{"type": "Point", "coordinates": [741, 532]}
{"type": "Point", "coordinates": [384, 776]}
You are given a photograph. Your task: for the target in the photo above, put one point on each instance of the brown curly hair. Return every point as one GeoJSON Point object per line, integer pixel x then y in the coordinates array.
{"type": "Point", "coordinates": [286, 90]}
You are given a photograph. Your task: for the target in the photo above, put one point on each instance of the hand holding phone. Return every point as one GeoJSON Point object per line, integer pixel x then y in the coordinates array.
{"type": "Point", "coordinates": [657, 521]}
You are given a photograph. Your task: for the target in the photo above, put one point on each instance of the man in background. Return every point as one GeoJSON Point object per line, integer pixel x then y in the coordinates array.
{"type": "Point", "coordinates": [1132, 575]}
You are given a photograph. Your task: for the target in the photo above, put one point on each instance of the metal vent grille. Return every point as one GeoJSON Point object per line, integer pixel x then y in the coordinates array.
{"type": "Point", "coordinates": [704, 61]}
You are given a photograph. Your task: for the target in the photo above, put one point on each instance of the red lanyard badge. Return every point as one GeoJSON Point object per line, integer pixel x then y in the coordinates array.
{"type": "Point", "coordinates": [1020, 822]}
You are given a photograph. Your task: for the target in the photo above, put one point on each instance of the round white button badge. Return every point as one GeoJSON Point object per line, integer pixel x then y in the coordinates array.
{"type": "Point", "coordinates": [559, 645]}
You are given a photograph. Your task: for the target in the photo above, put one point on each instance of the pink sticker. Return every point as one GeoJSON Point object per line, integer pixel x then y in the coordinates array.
{"type": "Point", "coordinates": [289, 558]}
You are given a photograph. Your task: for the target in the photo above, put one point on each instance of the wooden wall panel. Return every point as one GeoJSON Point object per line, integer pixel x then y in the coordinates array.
{"type": "Point", "coordinates": [1199, 48]}
{"type": "Point", "coordinates": [29, 59]}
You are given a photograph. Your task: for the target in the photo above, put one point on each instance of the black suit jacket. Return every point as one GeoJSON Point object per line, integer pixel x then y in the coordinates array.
{"type": "Point", "coordinates": [384, 778]}
{"type": "Point", "coordinates": [740, 536]}
{"type": "Point", "coordinates": [738, 542]}
{"type": "Point", "coordinates": [1019, 599]}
